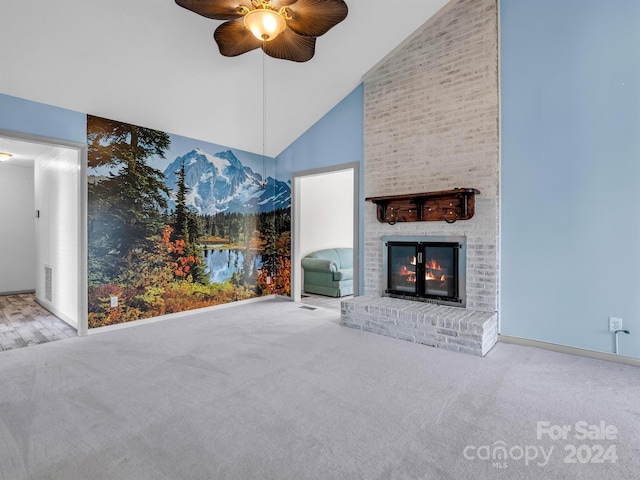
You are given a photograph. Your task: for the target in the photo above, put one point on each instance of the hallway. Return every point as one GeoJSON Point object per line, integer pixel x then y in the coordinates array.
{"type": "Point", "coordinates": [23, 322]}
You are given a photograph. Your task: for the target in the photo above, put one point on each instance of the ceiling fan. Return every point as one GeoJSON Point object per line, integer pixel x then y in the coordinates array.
{"type": "Point", "coordinates": [285, 29]}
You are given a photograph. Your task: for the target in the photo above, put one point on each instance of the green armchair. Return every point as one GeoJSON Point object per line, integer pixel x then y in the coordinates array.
{"type": "Point", "coordinates": [329, 272]}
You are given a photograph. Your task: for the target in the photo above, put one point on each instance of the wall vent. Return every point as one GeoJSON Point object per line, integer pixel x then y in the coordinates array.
{"type": "Point", "coordinates": [48, 283]}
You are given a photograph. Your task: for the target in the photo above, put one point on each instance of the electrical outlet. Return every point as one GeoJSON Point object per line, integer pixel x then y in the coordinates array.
{"type": "Point", "coordinates": [615, 323]}
{"type": "Point", "coordinates": [114, 302]}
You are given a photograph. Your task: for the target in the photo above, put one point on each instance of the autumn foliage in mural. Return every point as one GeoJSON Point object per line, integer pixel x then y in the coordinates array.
{"type": "Point", "coordinates": [149, 247]}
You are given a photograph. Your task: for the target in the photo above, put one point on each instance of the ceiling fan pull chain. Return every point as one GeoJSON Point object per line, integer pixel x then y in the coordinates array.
{"type": "Point", "coordinates": [264, 121]}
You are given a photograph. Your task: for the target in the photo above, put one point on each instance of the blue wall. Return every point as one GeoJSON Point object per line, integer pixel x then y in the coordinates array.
{"type": "Point", "coordinates": [571, 171]}
{"type": "Point", "coordinates": [336, 138]}
{"type": "Point", "coordinates": [25, 116]}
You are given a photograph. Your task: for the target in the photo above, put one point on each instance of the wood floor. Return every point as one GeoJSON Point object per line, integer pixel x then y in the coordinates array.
{"type": "Point", "coordinates": [23, 322]}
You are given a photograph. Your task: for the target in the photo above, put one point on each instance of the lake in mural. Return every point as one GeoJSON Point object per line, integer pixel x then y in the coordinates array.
{"type": "Point", "coordinates": [221, 265]}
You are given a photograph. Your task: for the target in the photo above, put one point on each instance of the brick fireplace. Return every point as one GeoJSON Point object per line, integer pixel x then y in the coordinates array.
{"type": "Point", "coordinates": [431, 123]}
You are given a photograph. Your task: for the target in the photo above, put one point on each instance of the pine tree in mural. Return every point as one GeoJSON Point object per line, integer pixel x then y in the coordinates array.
{"type": "Point", "coordinates": [269, 251]}
{"type": "Point", "coordinates": [186, 229]}
{"type": "Point", "coordinates": [125, 206]}
{"type": "Point", "coordinates": [181, 226]}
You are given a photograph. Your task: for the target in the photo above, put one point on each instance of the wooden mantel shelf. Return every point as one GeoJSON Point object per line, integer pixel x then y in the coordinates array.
{"type": "Point", "coordinates": [447, 205]}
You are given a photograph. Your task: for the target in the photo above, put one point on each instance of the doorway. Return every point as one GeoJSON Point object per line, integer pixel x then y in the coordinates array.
{"type": "Point", "coordinates": [325, 214]}
{"type": "Point", "coordinates": [58, 212]}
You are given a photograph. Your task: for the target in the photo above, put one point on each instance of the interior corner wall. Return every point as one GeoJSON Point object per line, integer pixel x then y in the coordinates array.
{"type": "Point", "coordinates": [431, 124]}
{"type": "Point", "coordinates": [570, 79]}
{"type": "Point", "coordinates": [56, 187]}
{"type": "Point", "coordinates": [336, 139]}
{"type": "Point", "coordinates": [17, 241]}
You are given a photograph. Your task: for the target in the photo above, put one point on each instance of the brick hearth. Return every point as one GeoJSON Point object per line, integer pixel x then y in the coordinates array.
{"type": "Point", "coordinates": [451, 328]}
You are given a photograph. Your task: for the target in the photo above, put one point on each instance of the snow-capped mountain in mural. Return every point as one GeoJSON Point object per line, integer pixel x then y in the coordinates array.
{"type": "Point", "coordinates": [221, 183]}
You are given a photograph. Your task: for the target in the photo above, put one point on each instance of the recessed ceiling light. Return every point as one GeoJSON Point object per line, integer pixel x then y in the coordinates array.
{"type": "Point", "coordinates": [5, 156]}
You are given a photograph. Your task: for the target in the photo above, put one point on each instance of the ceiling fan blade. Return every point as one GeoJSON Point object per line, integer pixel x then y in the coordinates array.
{"type": "Point", "coordinates": [234, 39]}
{"type": "Point", "coordinates": [216, 9]}
{"type": "Point", "coordinates": [313, 18]}
{"type": "Point", "coordinates": [291, 46]}
{"type": "Point", "coordinates": [282, 3]}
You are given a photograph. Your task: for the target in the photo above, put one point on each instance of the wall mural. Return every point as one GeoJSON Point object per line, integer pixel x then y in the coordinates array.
{"type": "Point", "coordinates": [177, 224]}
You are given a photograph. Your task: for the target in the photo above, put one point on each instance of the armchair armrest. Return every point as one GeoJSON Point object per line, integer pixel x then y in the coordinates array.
{"type": "Point", "coordinates": [319, 265]}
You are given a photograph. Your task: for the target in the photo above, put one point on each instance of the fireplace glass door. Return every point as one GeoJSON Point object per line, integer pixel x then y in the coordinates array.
{"type": "Point", "coordinates": [440, 268]}
{"type": "Point", "coordinates": [424, 270]}
{"type": "Point", "coordinates": [403, 268]}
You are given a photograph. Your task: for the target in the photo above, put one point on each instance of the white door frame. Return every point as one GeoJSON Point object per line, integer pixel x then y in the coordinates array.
{"type": "Point", "coordinates": [81, 192]}
{"type": "Point", "coordinates": [296, 215]}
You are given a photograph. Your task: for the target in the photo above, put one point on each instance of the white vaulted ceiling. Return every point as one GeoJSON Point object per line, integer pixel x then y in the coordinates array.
{"type": "Point", "coordinates": [155, 64]}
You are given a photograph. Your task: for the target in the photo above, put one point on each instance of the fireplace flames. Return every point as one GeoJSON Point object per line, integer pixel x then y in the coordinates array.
{"type": "Point", "coordinates": [433, 271]}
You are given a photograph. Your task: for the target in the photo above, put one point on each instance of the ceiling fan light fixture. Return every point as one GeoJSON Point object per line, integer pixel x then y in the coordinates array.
{"type": "Point", "coordinates": [265, 24]}
{"type": "Point", "coordinates": [285, 29]}
{"type": "Point", "coordinates": [5, 156]}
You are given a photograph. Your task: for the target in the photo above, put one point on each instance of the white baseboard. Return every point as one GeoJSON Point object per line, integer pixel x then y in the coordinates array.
{"type": "Point", "coordinates": [581, 352]}
{"type": "Point", "coordinates": [57, 313]}
{"type": "Point", "coordinates": [17, 292]}
{"type": "Point", "coordinates": [283, 297]}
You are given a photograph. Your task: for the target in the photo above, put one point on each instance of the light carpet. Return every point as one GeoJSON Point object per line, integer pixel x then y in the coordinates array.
{"type": "Point", "coordinates": [270, 390]}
